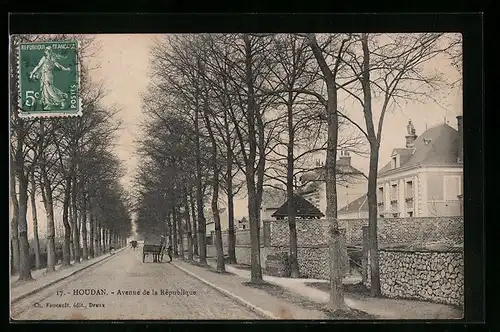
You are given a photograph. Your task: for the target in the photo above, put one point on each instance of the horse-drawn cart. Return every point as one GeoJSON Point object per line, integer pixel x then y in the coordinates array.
{"type": "Point", "coordinates": [153, 245]}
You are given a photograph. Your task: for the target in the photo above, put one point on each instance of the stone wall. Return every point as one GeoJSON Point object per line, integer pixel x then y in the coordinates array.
{"type": "Point", "coordinates": [313, 260]}
{"type": "Point", "coordinates": [391, 231]}
{"type": "Point", "coordinates": [435, 276]}
{"type": "Point", "coordinates": [243, 253]}
{"type": "Point", "coordinates": [278, 264]}
{"type": "Point", "coordinates": [310, 232]}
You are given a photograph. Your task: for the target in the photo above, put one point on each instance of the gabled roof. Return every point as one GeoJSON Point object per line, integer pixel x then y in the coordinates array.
{"type": "Point", "coordinates": [303, 209]}
{"type": "Point", "coordinates": [319, 174]}
{"type": "Point", "coordinates": [436, 146]}
{"type": "Point", "coordinates": [359, 204]}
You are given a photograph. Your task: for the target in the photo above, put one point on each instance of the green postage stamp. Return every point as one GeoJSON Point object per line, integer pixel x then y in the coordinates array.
{"type": "Point", "coordinates": [49, 79]}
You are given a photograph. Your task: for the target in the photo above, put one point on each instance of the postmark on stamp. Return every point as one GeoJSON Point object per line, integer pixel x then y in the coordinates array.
{"type": "Point", "coordinates": [49, 79]}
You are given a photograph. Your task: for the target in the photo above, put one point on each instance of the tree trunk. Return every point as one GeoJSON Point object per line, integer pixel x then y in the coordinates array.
{"type": "Point", "coordinates": [170, 229]}
{"type": "Point", "coordinates": [104, 240]}
{"type": "Point", "coordinates": [67, 228]}
{"type": "Point", "coordinates": [253, 213]}
{"type": "Point", "coordinates": [35, 221]}
{"type": "Point", "coordinates": [294, 264]}
{"type": "Point", "coordinates": [202, 243]}
{"type": "Point", "coordinates": [92, 230]}
{"type": "Point", "coordinates": [373, 170]}
{"type": "Point", "coordinates": [24, 248]}
{"type": "Point", "coordinates": [336, 288]}
{"type": "Point", "coordinates": [195, 227]}
{"type": "Point", "coordinates": [372, 222]}
{"type": "Point", "coordinates": [98, 239]}
{"type": "Point", "coordinates": [71, 242]}
{"type": "Point", "coordinates": [231, 238]}
{"type": "Point", "coordinates": [22, 224]}
{"type": "Point", "coordinates": [215, 191]}
{"type": "Point", "coordinates": [14, 230]}
{"type": "Point", "coordinates": [188, 226]}
{"type": "Point", "coordinates": [256, 271]}
{"type": "Point", "coordinates": [48, 203]}
{"type": "Point", "coordinates": [218, 234]}
{"type": "Point", "coordinates": [111, 242]}
{"type": "Point", "coordinates": [74, 221]}
{"type": "Point", "coordinates": [83, 214]}
{"type": "Point", "coordinates": [180, 230]}
{"type": "Point", "coordinates": [174, 231]}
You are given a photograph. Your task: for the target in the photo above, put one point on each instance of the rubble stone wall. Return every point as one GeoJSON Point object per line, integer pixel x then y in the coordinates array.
{"type": "Point", "coordinates": [436, 276]}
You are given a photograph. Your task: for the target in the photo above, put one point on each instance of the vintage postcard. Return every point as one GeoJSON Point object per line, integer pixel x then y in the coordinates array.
{"type": "Point", "coordinates": [236, 176]}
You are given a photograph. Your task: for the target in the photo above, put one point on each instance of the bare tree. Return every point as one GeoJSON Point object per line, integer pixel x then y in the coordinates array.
{"type": "Point", "coordinates": [391, 68]}
{"type": "Point", "coordinates": [290, 64]}
{"type": "Point", "coordinates": [35, 220]}
{"type": "Point", "coordinates": [336, 301]}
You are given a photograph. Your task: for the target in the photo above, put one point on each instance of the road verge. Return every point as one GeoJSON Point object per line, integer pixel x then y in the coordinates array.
{"type": "Point", "coordinates": [255, 309]}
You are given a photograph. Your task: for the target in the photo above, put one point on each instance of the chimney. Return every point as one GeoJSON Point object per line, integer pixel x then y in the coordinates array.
{"type": "Point", "coordinates": [344, 159]}
{"type": "Point", "coordinates": [461, 139]}
{"type": "Point", "coordinates": [411, 137]}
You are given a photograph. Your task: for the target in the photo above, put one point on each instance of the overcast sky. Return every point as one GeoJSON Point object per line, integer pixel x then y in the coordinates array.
{"type": "Point", "coordinates": [124, 68]}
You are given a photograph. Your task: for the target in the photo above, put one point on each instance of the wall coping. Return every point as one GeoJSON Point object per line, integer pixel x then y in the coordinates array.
{"type": "Point", "coordinates": [424, 250]}
{"type": "Point", "coordinates": [238, 245]}
{"type": "Point", "coordinates": [313, 246]}
{"type": "Point", "coordinates": [416, 219]}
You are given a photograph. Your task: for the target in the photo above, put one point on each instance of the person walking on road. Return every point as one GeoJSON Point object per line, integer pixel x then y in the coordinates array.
{"type": "Point", "coordinates": [169, 252]}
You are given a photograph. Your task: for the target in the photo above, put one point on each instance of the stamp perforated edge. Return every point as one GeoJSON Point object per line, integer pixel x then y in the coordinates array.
{"type": "Point", "coordinates": [61, 114]}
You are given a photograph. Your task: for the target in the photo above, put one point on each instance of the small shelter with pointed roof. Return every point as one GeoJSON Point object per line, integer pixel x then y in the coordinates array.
{"type": "Point", "coordinates": [303, 209]}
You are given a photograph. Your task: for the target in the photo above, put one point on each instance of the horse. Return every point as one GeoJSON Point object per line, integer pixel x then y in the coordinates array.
{"type": "Point", "coordinates": [134, 244]}
{"type": "Point", "coordinates": [158, 257]}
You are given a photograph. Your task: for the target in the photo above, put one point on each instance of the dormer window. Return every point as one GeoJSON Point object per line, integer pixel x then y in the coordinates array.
{"type": "Point", "coordinates": [394, 162]}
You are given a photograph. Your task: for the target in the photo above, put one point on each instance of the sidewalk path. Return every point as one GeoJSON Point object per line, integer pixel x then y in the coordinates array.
{"type": "Point", "coordinates": [384, 308]}
{"type": "Point", "coordinates": [256, 299]}
{"type": "Point", "coordinates": [22, 289]}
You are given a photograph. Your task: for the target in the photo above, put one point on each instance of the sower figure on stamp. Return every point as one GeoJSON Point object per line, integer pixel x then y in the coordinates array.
{"type": "Point", "coordinates": [50, 95]}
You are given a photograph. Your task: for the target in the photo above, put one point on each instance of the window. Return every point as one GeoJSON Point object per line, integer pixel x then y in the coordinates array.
{"type": "Point", "coordinates": [451, 188]}
{"type": "Point", "coordinates": [394, 165]}
{"type": "Point", "coordinates": [394, 193]}
{"type": "Point", "coordinates": [381, 215]}
{"type": "Point", "coordinates": [395, 215]}
{"type": "Point", "coordinates": [409, 190]}
{"type": "Point", "coordinates": [410, 214]}
{"type": "Point", "coordinates": [380, 196]}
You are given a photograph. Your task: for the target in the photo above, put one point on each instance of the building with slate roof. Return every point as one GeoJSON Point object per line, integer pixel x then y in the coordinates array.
{"type": "Point", "coordinates": [351, 183]}
{"type": "Point", "coordinates": [425, 178]}
{"type": "Point", "coordinates": [357, 209]}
